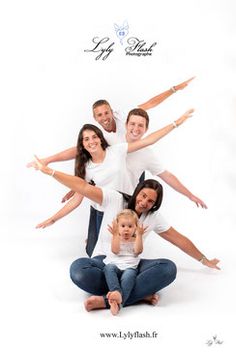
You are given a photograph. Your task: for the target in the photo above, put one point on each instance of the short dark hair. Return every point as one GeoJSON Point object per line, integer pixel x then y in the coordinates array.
{"type": "Point", "coordinates": [138, 112]}
{"type": "Point", "coordinates": [148, 183]}
{"type": "Point", "coordinates": [100, 103]}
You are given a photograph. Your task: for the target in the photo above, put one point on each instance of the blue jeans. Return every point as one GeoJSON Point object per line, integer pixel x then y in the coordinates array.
{"type": "Point", "coordinates": [153, 275]}
{"type": "Point", "coordinates": [121, 280]}
{"type": "Point", "coordinates": [95, 221]}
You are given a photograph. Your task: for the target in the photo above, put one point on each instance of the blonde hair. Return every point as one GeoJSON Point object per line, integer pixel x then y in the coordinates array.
{"type": "Point", "coordinates": [128, 212]}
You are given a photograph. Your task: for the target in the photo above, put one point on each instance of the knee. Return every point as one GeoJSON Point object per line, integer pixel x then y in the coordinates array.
{"type": "Point", "coordinates": [76, 272]}
{"type": "Point", "coordinates": [170, 269]}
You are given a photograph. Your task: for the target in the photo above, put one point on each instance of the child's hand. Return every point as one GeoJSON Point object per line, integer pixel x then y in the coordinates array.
{"type": "Point", "coordinates": [113, 229]}
{"type": "Point", "coordinates": [140, 230]}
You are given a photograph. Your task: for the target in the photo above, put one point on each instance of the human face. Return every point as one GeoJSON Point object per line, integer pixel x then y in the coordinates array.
{"type": "Point", "coordinates": [126, 227]}
{"type": "Point", "coordinates": [135, 128]}
{"type": "Point", "coordinates": [104, 116]}
{"type": "Point", "coordinates": [91, 142]}
{"type": "Point", "coordinates": [145, 200]}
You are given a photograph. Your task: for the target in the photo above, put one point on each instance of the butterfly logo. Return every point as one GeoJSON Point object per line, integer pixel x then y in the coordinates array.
{"type": "Point", "coordinates": [122, 31]}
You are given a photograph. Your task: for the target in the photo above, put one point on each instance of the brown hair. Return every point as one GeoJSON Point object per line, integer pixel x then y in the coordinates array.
{"type": "Point", "coordinates": [100, 103]}
{"type": "Point", "coordinates": [138, 112]}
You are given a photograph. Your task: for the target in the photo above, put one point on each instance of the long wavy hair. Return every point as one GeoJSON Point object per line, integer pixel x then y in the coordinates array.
{"type": "Point", "coordinates": [148, 183]}
{"type": "Point", "coordinates": [83, 156]}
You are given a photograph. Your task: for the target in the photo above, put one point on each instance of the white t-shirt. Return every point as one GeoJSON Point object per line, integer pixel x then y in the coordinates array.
{"type": "Point", "coordinates": [142, 160]}
{"type": "Point", "coordinates": [113, 203]}
{"type": "Point", "coordinates": [119, 135]}
{"type": "Point", "coordinates": [126, 257]}
{"type": "Point", "coordinates": [112, 172]}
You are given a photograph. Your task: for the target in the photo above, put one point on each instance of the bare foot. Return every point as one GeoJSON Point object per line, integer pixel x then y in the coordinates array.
{"type": "Point", "coordinates": [114, 307]}
{"type": "Point", "coordinates": [114, 296]}
{"type": "Point", "coordinates": [94, 302]}
{"type": "Point", "coordinates": [152, 299]}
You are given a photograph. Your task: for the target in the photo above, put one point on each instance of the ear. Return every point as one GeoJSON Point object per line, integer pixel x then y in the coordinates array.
{"type": "Point", "coordinates": [116, 27]}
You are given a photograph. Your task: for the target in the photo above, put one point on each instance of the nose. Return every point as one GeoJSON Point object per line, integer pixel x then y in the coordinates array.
{"type": "Point", "coordinates": [144, 204]}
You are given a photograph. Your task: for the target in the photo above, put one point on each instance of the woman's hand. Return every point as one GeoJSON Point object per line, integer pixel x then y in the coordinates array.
{"type": "Point", "coordinates": [39, 165]}
{"type": "Point", "coordinates": [34, 164]}
{"type": "Point", "coordinates": [45, 223]}
{"type": "Point", "coordinates": [211, 263]}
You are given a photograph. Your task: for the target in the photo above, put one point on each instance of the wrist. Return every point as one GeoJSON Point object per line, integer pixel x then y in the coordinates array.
{"type": "Point", "coordinates": [202, 259]}
{"type": "Point", "coordinates": [48, 171]}
{"type": "Point", "coordinates": [173, 89]}
{"type": "Point", "coordinates": [175, 125]}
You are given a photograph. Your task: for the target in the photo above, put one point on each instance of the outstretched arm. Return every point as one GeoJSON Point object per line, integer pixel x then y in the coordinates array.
{"type": "Point", "coordinates": [75, 183]}
{"type": "Point", "coordinates": [154, 101]}
{"type": "Point", "coordinates": [157, 135]}
{"type": "Point", "coordinates": [173, 182]}
{"type": "Point", "coordinates": [115, 242]}
{"type": "Point", "coordinates": [64, 155]}
{"type": "Point", "coordinates": [188, 247]}
{"type": "Point", "coordinates": [68, 208]}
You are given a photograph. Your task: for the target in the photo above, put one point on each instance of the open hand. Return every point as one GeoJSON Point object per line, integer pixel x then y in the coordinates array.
{"type": "Point", "coordinates": [211, 263]}
{"type": "Point", "coordinates": [183, 84]}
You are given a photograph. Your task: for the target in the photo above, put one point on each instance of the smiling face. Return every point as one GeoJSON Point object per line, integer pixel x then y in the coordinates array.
{"type": "Point", "coordinates": [104, 116]}
{"type": "Point", "coordinates": [136, 127]}
{"type": "Point", "coordinates": [91, 142]}
{"type": "Point", "coordinates": [126, 227]}
{"type": "Point", "coordinates": [145, 200]}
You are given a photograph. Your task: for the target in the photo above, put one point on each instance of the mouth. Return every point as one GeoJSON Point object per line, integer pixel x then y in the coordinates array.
{"type": "Point", "coordinates": [92, 146]}
{"type": "Point", "coordinates": [135, 135]}
{"type": "Point", "coordinates": [106, 122]}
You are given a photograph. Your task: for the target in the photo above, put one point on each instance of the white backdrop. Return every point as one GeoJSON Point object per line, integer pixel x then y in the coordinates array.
{"type": "Point", "coordinates": [48, 84]}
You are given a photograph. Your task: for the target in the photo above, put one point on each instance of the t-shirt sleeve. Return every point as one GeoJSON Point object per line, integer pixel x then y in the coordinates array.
{"type": "Point", "coordinates": [154, 165]}
{"type": "Point", "coordinates": [161, 225]}
{"type": "Point", "coordinates": [110, 197]}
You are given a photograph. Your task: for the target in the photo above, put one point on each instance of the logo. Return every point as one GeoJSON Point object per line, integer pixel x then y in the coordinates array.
{"type": "Point", "coordinates": [122, 31]}
{"type": "Point", "coordinates": [103, 47]}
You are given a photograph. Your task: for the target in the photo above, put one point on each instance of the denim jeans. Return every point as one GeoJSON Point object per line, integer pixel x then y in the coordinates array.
{"type": "Point", "coordinates": [95, 221]}
{"type": "Point", "coordinates": [153, 275]}
{"type": "Point", "coordinates": [121, 280]}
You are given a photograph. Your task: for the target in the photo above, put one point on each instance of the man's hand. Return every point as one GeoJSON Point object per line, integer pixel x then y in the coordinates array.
{"type": "Point", "coordinates": [183, 84]}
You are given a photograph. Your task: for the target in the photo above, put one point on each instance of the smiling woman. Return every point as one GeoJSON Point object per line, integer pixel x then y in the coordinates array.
{"type": "Point", "coordinates": [152, 275]}
{"type": "Point", "coordinates": [106, 166]}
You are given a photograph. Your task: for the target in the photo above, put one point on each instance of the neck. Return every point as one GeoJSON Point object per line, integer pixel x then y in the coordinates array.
{"type": "Point", "coordinates": [113, 127]}
{"type": "Point", "coordinates": [99, 156]}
